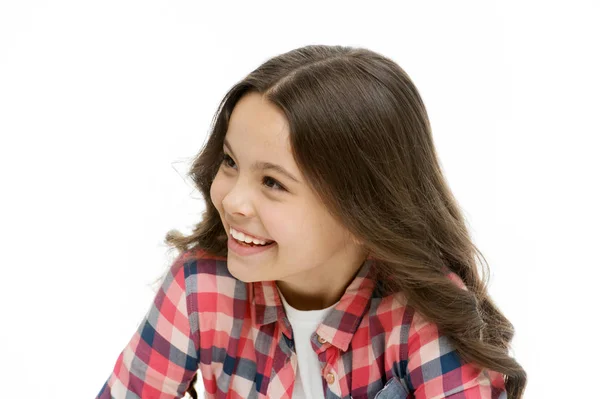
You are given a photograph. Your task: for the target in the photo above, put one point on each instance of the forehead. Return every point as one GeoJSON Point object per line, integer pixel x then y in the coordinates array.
{"type": "Point", "coordinates": [256, 125]}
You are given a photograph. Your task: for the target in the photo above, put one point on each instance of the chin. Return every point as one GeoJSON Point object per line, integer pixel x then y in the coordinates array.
{"type": "Point", "coordinates": [242, 275]}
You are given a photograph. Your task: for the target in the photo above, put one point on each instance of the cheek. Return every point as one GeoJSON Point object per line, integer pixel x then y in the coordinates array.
{"type": "Point", "coordinates": [288, 223]}
{"type": "Point", "coordinates": [217, 192]}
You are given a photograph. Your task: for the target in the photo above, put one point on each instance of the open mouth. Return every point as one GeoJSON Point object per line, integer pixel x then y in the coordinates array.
{"type": "Point", "coordinates": [254, 245]}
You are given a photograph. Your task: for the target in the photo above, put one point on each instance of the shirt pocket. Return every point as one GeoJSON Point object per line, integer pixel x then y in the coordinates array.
{"type": "Point", "coordinates": [394, 388]}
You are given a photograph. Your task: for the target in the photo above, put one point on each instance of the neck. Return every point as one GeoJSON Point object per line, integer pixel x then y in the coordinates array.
{"type": "Point", "coordinates": [301, 300]}
{"type": "Point", "coordinates": [314, 290]}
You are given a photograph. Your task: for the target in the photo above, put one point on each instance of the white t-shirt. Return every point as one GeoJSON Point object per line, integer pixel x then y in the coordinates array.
{"type": "Point", "coordinates": [308, 383]}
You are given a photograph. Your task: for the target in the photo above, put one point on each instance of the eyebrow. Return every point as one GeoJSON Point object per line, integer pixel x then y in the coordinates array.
{"type": "Point", "coordinates": [265, 165]}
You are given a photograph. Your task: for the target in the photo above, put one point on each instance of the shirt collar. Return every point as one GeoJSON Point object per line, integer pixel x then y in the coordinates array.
{"type": "Point", "coordinates": [339, 325]}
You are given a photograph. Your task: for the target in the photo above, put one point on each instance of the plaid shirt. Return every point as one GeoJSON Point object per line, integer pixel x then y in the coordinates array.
{"type": "Point", "coordinates": [238, 336]}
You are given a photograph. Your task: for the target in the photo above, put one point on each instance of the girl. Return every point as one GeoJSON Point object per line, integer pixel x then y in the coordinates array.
{"type": "Point", "coordinates": [332, 259]}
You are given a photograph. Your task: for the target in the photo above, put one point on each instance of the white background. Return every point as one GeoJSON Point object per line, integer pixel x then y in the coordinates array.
{"type": "Point", "coordinates": [104, 104]}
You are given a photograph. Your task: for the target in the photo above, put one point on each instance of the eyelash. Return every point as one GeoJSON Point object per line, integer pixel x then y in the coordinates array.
{"type": "Point", "coordinates": [226, 157]}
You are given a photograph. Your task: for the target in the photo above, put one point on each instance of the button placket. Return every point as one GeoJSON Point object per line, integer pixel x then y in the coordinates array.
{"type": "Point", "coordinates": [330, 377]}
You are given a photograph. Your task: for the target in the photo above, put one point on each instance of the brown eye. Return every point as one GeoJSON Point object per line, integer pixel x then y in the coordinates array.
{"type": "Point", "coordinates": [225, 159]}
{"type": "Point", "coordinates": [278, 186]}
{"type": "Point", "coordinates": [268, 181]}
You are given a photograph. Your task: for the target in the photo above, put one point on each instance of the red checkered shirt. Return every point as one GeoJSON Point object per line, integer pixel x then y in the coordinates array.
{"type": "Point", "coordinates": [237, 335]}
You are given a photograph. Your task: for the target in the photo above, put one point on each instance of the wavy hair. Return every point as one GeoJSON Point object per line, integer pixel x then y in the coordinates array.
{"type": "Point", "coordinates": [360, 133]}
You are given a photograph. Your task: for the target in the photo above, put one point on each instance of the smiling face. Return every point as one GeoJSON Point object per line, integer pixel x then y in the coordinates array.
{"type": "Point", "coordinates": [310, 245]}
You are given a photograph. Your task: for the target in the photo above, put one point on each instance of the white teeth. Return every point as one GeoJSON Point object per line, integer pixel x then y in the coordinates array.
{"type": "Point", "coordinates": [245, 238]}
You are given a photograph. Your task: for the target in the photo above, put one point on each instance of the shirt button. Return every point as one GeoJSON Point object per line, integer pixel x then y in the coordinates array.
{"type": "Point", "coordinates": [330, 378]}
{"type": "Point", "coordinates": [321, 339]}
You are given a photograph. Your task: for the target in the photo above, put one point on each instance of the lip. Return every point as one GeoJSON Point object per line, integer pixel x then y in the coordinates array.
{"type": "Point", "coordinates": [240, 249]}
{"type": "Point", "coordinates": [247, 233]}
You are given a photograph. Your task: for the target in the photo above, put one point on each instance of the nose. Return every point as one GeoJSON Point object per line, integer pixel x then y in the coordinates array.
{"type": "Point", "coordinates": [238, 201]}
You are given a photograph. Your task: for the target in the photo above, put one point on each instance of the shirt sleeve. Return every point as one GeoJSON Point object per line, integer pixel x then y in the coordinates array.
{"type": "Point", "coordinates": [436, 371]}
{"type": "Point", "coordinates": [161, 358]}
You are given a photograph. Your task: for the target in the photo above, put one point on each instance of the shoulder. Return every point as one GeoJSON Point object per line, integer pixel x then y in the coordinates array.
{"type": "Point", "coordinates": [425, 341]}
{"type": "Point", "coordinates": [208, 281]}
{"type": "Point", "coordinates": [197, 264]}
{"type": "Point", "coordinates": [433, 364]}
{"type": "Point", "coordinates": [197, 261]}
{"type": "Point", "coordinates": [396, 310]}
{"type": "Point", "coordinates": [407, 332]}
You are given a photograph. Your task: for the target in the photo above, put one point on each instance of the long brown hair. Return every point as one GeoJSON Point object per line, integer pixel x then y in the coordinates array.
{"type": "Point", "coordinates": [360, 134]}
